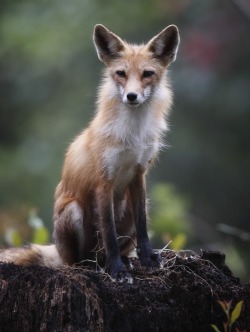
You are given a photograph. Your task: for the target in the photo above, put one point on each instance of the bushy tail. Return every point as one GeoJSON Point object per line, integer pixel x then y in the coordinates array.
{"type": "Point", "coordinates": [32, 254]}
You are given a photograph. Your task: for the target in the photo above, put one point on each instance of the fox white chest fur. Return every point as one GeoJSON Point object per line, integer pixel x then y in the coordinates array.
{"type": "Point", "coordinates": [139, 137]}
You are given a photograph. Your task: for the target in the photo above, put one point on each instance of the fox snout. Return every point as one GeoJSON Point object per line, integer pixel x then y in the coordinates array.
{"type": "Point", "coordinates": [132, 98]}
{"type": "Point", "coordinates": [132, 95]}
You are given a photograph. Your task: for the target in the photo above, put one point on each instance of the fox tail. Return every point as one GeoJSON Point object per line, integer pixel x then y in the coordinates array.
{"type": "Point", "coordinates": [32, 254]}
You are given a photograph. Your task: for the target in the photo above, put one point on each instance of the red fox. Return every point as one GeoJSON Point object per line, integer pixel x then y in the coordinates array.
{"type": "Point", "coordinates": [100, 203]}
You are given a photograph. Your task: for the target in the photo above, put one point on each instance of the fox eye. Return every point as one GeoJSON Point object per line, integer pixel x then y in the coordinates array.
{"type": "Point", "coordinates": [120, 73]}
{"type": "Point", "coordinates": [148, 73]}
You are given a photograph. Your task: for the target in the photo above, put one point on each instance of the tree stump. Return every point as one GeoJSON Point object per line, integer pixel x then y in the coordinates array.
{"type": "Point", "coordinates": [181, 296]}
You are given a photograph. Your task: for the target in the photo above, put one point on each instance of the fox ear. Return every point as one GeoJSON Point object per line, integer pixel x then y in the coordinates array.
{"type": "Point", "coordinates": [108, 45]}
{"type": "Point", "coordinates": [164, 46]}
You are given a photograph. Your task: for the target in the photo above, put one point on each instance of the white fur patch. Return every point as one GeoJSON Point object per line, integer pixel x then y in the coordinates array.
{"type": "Point", "coordinates": [135, 126]}
{"type": "Point", "coordinates": [49, 255]}
{"type": "Point", "coordinates": [120, 164]}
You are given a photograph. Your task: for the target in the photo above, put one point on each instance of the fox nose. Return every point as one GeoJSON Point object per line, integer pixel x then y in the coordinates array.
{"type": "Point", "coordinates": [132, 96]}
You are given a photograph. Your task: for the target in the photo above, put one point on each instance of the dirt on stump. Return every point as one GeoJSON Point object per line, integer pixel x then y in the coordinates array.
{"type": "Point", "coordinates": [181, 296]}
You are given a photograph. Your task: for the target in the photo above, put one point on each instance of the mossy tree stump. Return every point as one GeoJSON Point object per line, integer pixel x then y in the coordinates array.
{"type": "Point", "coordinates": [182, 296]}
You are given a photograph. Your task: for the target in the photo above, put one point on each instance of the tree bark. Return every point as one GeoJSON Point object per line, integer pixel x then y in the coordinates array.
{"type": "Point", "coordinates": [182, 296]}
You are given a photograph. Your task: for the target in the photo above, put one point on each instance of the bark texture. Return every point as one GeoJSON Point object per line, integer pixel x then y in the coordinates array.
{"type": "Point", "coordinates": [182, 296]}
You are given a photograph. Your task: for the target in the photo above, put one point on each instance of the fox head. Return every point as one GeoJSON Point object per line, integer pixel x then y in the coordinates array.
{"type": "Point", "coordinates": [136, 70]}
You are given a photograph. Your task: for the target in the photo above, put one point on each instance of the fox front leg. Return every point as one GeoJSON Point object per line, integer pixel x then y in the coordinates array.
{"type": "Point", "coordinates": [105, 206]}
{"type": "Point", "coordinates": [147, 256]}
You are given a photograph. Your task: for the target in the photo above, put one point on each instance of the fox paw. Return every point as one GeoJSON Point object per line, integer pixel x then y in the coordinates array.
{"type": "Point", "coordinates": [122, 277]}
{"type": "Point", "coordinates": [119, 274]}
{"type": "Point", "coordinates": [149, 259]}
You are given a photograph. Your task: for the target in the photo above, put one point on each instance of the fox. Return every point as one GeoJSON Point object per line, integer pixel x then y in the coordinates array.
{"type": "Point", "coordinates": [100, 205]}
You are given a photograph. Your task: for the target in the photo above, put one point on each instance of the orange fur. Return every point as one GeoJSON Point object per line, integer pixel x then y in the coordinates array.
{"type": "Point", "coordinates": [101, 195]}
{"type": "Point", "coordinates": [107, 163]}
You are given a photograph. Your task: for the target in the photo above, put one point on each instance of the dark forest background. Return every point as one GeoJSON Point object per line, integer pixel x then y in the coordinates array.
{"type": "Point", "coordinates": [49, 72]}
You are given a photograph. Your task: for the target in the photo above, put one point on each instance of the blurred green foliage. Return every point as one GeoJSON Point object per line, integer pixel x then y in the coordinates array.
{"type": "Point", "coordinates": [14, 233]}
{"type": "Point", "coordinates": [169, 216]}
{"type": "Point", "coordinates": [49, 75]}
{"type": "Point", "coordinates": [40, 236]}
{"type": "Point", "coordinates": [13, 237]}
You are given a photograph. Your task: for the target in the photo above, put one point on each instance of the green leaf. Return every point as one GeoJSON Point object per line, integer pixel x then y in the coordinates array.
{"type": "Point", "coordinates": [16, 239]}
{"type": "Point", "coordinates": [41, 235]}
{"type": "Point", "coordinates": [236, 312]}
{"type": "Point", "coordinates": [215, 328]}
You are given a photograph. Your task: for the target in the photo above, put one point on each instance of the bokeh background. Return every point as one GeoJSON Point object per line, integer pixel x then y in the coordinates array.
{"type": "Point", "coordinates": [199, 190]}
